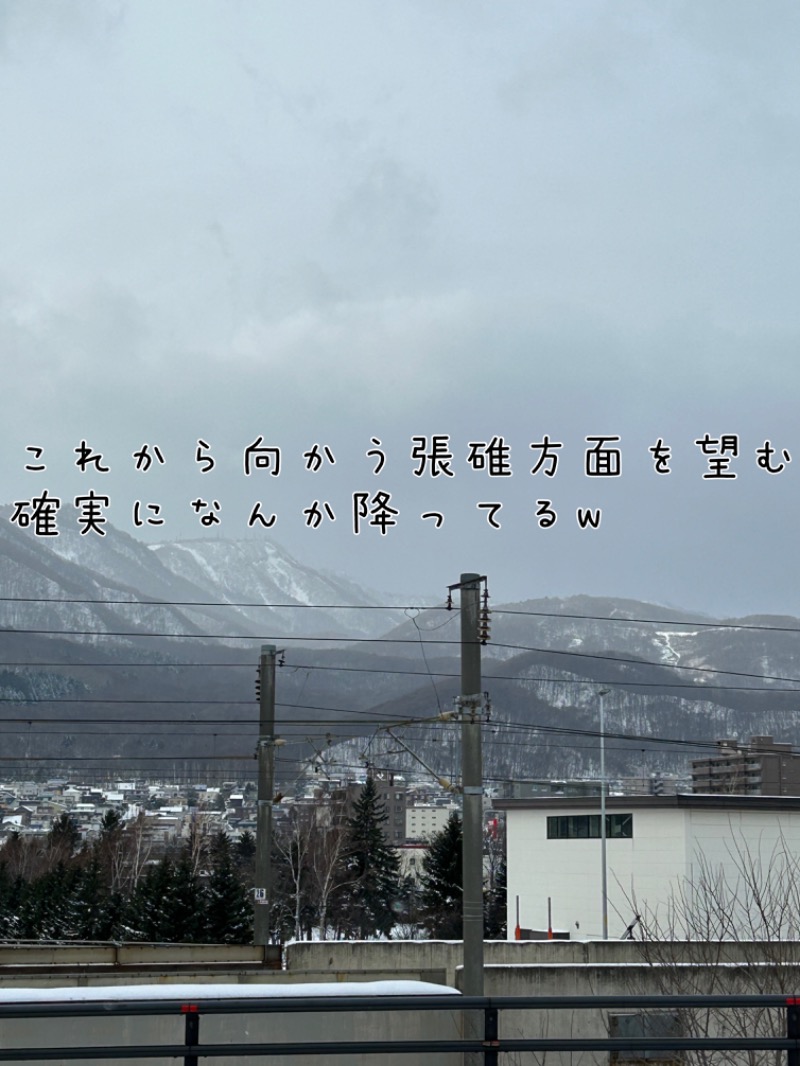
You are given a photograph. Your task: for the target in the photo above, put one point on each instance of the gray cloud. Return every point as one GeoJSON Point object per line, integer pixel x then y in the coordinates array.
{"type": "Point", "coordinates": [322, 224]}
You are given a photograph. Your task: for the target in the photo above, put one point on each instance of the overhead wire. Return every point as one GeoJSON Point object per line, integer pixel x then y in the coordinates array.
{"type": "Point", "coordinates": [151, 634]}
{"type": "Point", "coordinates": [512, 611]}
{"type": "Point", "coordinates": [375, 715]}
{"type": "Point", "coordinates": [508, 727]}
{"type": "Point", "coordinates": [646, 621]}
{"type": "Point", "coordinates": [228, 603]}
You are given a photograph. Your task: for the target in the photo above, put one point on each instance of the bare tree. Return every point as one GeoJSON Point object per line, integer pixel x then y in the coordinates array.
{"type": "Point", "coordinates": [293, 843]}
{"type": "Point", "coordinates": [326, 870]}
{"type": "Point", "coordinates": [310, 846]}
{"type": "Point", "coordinates": [132, 855]}
{"type": "Point", "coordinates": [732, 929]}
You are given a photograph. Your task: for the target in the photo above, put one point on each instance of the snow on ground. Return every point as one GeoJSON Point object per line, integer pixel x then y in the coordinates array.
{"type": "Point", "coordinates": [196, 993]}
{"type": "Point", "coordinates": [669, 654]}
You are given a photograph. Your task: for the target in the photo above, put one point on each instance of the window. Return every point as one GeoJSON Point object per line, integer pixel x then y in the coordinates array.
{"type": "Point", "coordinates": [587, 827]}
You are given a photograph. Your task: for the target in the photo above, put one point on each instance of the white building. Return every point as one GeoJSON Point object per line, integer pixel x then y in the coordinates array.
{"type": "Point", "coordinates": [424, 820]}
{"type": "Point", "coordinates": [660, 850]}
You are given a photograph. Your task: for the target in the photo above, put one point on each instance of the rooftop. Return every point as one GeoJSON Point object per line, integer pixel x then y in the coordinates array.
{"type": "Point", "coordinates": [682, 800]}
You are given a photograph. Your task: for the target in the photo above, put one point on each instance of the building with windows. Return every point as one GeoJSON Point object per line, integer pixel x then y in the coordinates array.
{"type": "Point", "coordinates": [763, 767]}
{"type": "Point", "coordinates": [424, 820]}
{"type": "Point", "coordinates": [391, 789]}
{"type": "Point", "coordinates": [658, 848]}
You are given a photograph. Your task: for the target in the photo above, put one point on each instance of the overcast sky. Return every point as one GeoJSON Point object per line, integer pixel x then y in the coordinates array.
{"type": "Point", "coordinates": [322, 223]}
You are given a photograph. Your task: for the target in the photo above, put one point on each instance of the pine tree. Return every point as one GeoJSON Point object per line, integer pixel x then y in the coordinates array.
{"type": "Point", "coordinates": [111, 823]}
{"type": "Point", "coordinates": [245, 852]}
{"type": "Point", "coordinates": [108, 852]}
{"type": "Point", "coordinates": [370, 870]}
{"type": "Point", "coordinates": [93, 912]}
{"type": "Point", "coordinates": [146, 915]}
{"type": "Point", "coordinates": [229, 914]}
{"type": "Point", "coordinates": [185, 907]}
{"type": "Point", "coordinates": [48, 908]}
{"type": "Point", "coordinates": [12, 890]}
{"type": "Point", "coordinates": [62, 840]}
{"type": "Point", "coordinates": [441, 881]}
{"type": "Point", "coordinates": [16, 855]}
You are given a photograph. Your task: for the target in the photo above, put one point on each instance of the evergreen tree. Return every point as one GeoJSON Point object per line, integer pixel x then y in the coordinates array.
{"type": "Point", "coordinates": [110, 824]}
{"type": "Point", "coordinates": [12, 890]}
{"type": "Point", "coordinates": [15, 854]}
{"type": "Point", "coordinates": [92, 914]}
{"type": "Point", "coordinates": [108, 852]}
{"type": "Point", "coordinates": [146, 915]}
{"type": "Point", "coordinates": [48, 907]}
{"type": "Point", "coordinates": [62, 840]}
{"type": "Point", "coordinates": [229, 913]}
{"type": "Point", "coordinates": [185, 908]}
{"type": "Point", "coordinates": [244, 858]}
{"type": "Point", "coordinates": [370, 870]}
{"type": "Point", "coordinates": [441, 881]}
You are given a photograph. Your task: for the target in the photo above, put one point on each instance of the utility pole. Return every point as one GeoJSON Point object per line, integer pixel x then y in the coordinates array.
{"type": "Point", "coordinates": [471, 704]}
{"type": "Point", "coordinates": [266, 790]}
{"type": "Point", "coordinates": [603, 861]}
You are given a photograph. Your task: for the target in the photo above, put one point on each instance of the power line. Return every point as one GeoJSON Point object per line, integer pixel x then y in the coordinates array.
{"type": "Point", "coordinates": [124, 758]}
{"type": "Point", "coordinates": [577, 680]}
{"type": "Point", "coordinates": [556, 615]}
{"type": "Point", "coordinates": [644, 662]}
{"type": "Point", "coordinates": [171, 665]}
{"type": "Point", "coordinates": [595, 656]}
{"type": "Point", "coordinates": [149, 634]}
{"type": "Point", "coordinates": [647, 621]}
{"type": "Point", "coordinates": [232, 603]}
{"type": "Point", "coordinates": [195, 703]}
{"type": "Point", "coordinates": [519, 728]}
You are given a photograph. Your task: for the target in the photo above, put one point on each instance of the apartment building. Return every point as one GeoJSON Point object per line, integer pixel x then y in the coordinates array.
{"type": "Point", "coordinates": [763, 767]}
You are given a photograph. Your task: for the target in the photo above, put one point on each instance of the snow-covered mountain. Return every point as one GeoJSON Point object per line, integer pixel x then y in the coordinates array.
{"type": "Point", "coordinates": [110, 648]}
{"type": "Point", "coordinates": [260, 572]}
{"type": "Point", "coordinates": [674, 683]}
{"type": "Point", "coordinates": [238, 588]}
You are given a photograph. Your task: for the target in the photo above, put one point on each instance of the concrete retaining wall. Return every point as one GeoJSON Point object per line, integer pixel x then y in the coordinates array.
{"type": "Point", "coordinates": [438, 960]}
{"type": "Point", "coordinates": [533, 968]}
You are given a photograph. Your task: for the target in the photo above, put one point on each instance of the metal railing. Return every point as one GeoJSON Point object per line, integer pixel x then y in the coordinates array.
{"type": "Point", "coordinates": [491, 1045]}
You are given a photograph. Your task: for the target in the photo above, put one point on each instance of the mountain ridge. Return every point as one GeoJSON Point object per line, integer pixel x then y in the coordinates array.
{"type": "Point", "coordinates": [173, 680]}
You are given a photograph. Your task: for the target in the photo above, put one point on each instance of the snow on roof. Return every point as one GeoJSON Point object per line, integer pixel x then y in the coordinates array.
{"type": "Point", "coordinates": [198, 992]}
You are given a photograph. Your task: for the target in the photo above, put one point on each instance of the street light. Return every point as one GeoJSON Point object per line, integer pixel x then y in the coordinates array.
{"type": "Point", "coordinates": [603, 865]}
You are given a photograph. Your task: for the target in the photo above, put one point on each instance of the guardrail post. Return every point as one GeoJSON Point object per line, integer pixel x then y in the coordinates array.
{"type": "Point", "coordinates": [191, 1037]}
{"type": "Point", "coordinates": [793, 1029]}
{"type": "Point", "coordinates": [490, 1037]}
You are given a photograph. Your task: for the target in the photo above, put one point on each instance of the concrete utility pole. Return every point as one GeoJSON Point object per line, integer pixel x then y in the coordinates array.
{"type": "Point", "coordinates": [603, 861]}
{"type": "Point", "coordinates": [472, 784]}
{"type": "Point", "coordinates": [266, 790]}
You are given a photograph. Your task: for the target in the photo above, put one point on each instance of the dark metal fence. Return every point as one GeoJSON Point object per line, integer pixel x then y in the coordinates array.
{"type": "Point", "coordinates": [491, 1045]}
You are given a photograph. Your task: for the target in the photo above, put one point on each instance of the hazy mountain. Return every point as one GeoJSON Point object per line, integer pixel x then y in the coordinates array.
{"type": "Point", "coordinates": [260, 572]}
{"type": "Point", "coordinates": [675, 682]}
{"type": "Point", "coordinates": [203, 573]}
{"type": "Point", "coordinates": [156, 679]}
